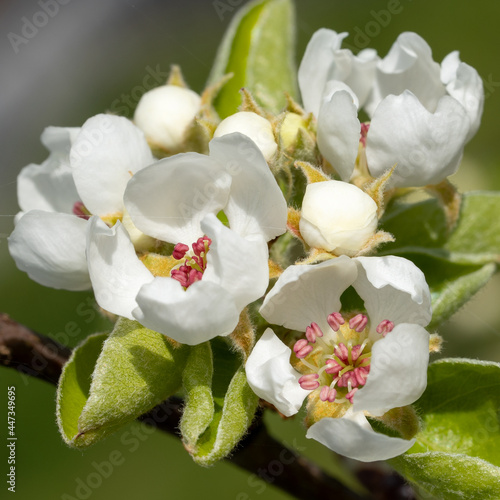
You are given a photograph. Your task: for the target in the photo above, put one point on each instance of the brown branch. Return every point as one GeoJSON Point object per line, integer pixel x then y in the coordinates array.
{"type": "Point", "coordinates": [258, 453]}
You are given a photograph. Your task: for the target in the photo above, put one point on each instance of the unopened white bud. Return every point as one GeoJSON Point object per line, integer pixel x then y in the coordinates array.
{"type": "Point", "coordinates": [290, 128]}
{"type": "Point", "coordinates": [165, 114]}
{"type": "Point", "coordinates": [338, 217]}
{"type": "Point", "coordinates": [252, 125]}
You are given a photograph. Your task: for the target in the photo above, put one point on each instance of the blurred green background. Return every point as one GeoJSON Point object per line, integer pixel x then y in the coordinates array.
{"type": "Point", "coordinates": [92, 56]}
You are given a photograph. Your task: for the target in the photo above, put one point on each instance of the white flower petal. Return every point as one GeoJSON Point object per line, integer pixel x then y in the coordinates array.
{"type": "Point", "coordinates": [398, 371]}
{"type": "Point", "coordinates": [116, 272]}
{"type": "Point", "coordinates": [238, 265]}
{"type": "Point", "coordinates": [105, 154]}
{"type": "Point", "coordinates": [316, 65]}
{"type": "Point", "coordinates": [393, 288]}
{"type": "Point", "coordinates": [408, 66]}
{"type": "Point", "coordinates": [168, 200]}
{"type": "Point", "coordinates": [425, 147]}
{"type": "Point", "coordinates": [338, 133]}
{"type": "Point", "coordinates": [354, 438]}
{"type": "Point", "coordinates": [256, 204]}
{"type": "Point", "coordinates": [50, 247]}
{"type": "Point", "coordinates": [204, 311]}
{"type": "Point", "coordinates": [50, 186]}
{"type": "Point", "coordinates": [271, 376]}
{"type": "Point", "coordinates": [465, 85]}
{"type": "Point", "coordinates": [307, 293]}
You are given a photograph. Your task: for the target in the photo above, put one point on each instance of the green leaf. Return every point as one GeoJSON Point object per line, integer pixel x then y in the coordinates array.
{"type": "Point", "coordinates": [258, 49]}
{"type": "Point", "coordinates": [137, 369]}
{"type": "Point", "coordinates": [457, 454]}
{"type": "Point", "coordinates": [211, 433]}
{"type": "Point", "coordinates": [74, 384]}
{"type": "Point", "coordinates": [421, 228]}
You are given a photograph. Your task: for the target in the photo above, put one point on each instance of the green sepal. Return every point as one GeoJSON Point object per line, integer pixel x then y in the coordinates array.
{"type": "Point", "coordinates": [136, 370]}
{"type": "Point", "coordinates": [258, 49]}
{"type": "Point", "coordinates": [210, 433]}
{"type": "Point", "coordinates": [457, 453]}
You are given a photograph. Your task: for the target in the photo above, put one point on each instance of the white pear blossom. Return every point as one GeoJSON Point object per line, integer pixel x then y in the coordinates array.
{"type": "Point", "coordinates": [59, 196]}
{"type": "Point", "coordinates": [165, 114]}
{"type": "Point", "coordinates": [199, 291]}
{"type": "Point", "coordinates": [348, 367]}
{"type": "Point", "coordinates": [422, 114]}
{"type": "Point", "coordinates": [252, 125]}
{"type": "Point", "coordinates": [338, 217]}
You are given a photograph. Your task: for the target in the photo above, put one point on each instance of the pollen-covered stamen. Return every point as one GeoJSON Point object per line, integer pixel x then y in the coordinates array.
{"type": "Point", "coordinates": [193, 267]}
{"type": "Point", "coordinates": [335, 320]}
{"type": "Point", "coordinates": [309, 382]}
{"type": "Point", "coordinates": [358, 323]}
{"type": "Point", "coordinates": [385, 327]}
{"type": "Point", "coordinates": [81, 211]}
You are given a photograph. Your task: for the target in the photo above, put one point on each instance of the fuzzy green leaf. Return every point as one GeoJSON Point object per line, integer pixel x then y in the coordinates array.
{"type": "Point", "coordinates": [74, 384]}
{"type": "Point", "coordinates": [457, 454]}
{"type": "Point", "coordinates": [137, 369]}
{"type": "Point", "coordinates": [233, 409]}
{"type": "Point", "coordinates": [258, 49]}
{"type": "Point", "coordinates": [420, 228]}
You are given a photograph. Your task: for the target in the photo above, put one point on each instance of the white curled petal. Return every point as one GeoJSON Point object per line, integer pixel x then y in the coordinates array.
{"type": "Point", "coordinates": [334, 86]}
{"type": "Point", "coordinates": [338, 133]}
{"type": "Point", "coordinates": [238, 265]}
{"type": "Point", "coordinates": [354, 438]}
{"type": "Point", "coordinates": [465, 85]}
{"type": "Point", "coordinates": [316, 66]}
{"type": "Point", "coordinates": [104, 156]}
{"type": "Point", "coordinates": [256, 204]}
{"type": "Point", "coordinates": [50, 247]}
{"type": "Point", "coordinates": [272, 377]}
{"type": "Point", "coordinates": [116, 272]}
{"type": "Point", "coordinates": [393, 288]}
{"type": "Point", "coordinates": [398, 371]}
{"type": "Point", "coordinates": [361, 72]}
{"type": "Point", "coordinates": [307, 293]}
{"type": "Point", "coordinates": [204, 311]}
{"type": "Point", "coordinates": [426, 148]}
{"type": "Point", "coordinates": [408, 66]}
{"type": "Point", "coordinates": [168, 200]}
{"type": "Point", "coordinates": [49, 187]}
{"type": "Point", "coordinates": [58, 140]}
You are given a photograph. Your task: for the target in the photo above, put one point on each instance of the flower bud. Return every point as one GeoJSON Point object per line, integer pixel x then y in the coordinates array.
{"type": "Point", "coordinates": [165, 113]}
{"type": "Point", "coordinates": [290, 128]}
{"type": "Point", "coordinates": [338, 217]}
{"type": "Point", "coordinates": [252, 125]}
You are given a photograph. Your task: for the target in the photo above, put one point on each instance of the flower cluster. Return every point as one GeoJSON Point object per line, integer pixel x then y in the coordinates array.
{"type": "Point", "coordinates": [177, 219]}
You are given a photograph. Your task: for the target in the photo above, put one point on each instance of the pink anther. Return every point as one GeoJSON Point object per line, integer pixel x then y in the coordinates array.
{"type": "Point", "coordinates": [351, 394]}
{"type": "Point", "coordinates": [361, 374]}
{"type": "Point", "coordinates": [358, 323]}
{"type": "Point", "coordinates": [346, 378]}
{"type": "Point", "coordinates": [327, 394]}
{"type": "Point", "coordinates": [333, 367]}
{"type": "Point", "coordinates": [385, 327]}
{"type": "Point", "coordinates": [342, 353]}
{"type": "Point", "coordinates": [364, 132]}
{"type": "Point", "coordinates": [80, 210]}
{"type": "Point", "coordinates": [355, 352]}
{"type": "Point", "coordinates": [309, 382]}
{"type": "Point", "coordinates": [313, 332]}
{"type": "Point", "coordinates": [335, 320]}
{"type": "Point", "coordinates": [179, 251]}
{"type": "Point", "coordinates": [302, 348]}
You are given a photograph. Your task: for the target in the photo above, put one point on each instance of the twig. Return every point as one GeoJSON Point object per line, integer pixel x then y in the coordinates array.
{"type": "Point", "coordinates": [259, 453]}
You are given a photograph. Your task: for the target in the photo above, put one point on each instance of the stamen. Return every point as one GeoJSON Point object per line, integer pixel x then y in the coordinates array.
{"type": "Point", "coordinates": [333, 367]}
{"type": "Point", "coordinates": [335, 320]}
{"type": "Point", "coordinates": [194, 266]}
{"type": "Point", "coordinates": [364, 132]}
{"type": "Point", "coordinates": [385, 327]}
{"type": "Point", "coordinates": [81, 211]}
{"type": "Point", "coordinates": [179, 251]}
{"type": "Point", "coordinates": [358, 323]}
{"type": "Point", "coordinates": [350, 395]}
{"type": "Point", "coordinates": [313, 332]}
{"type": "Point", "coordinates": [342, 353]}
{"type": "Point", "coordinates": [309, 382]}
{"type": "Point", "coordinates": [302, 348]}
{"type": "Point", "coordinates": [327, 394]}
